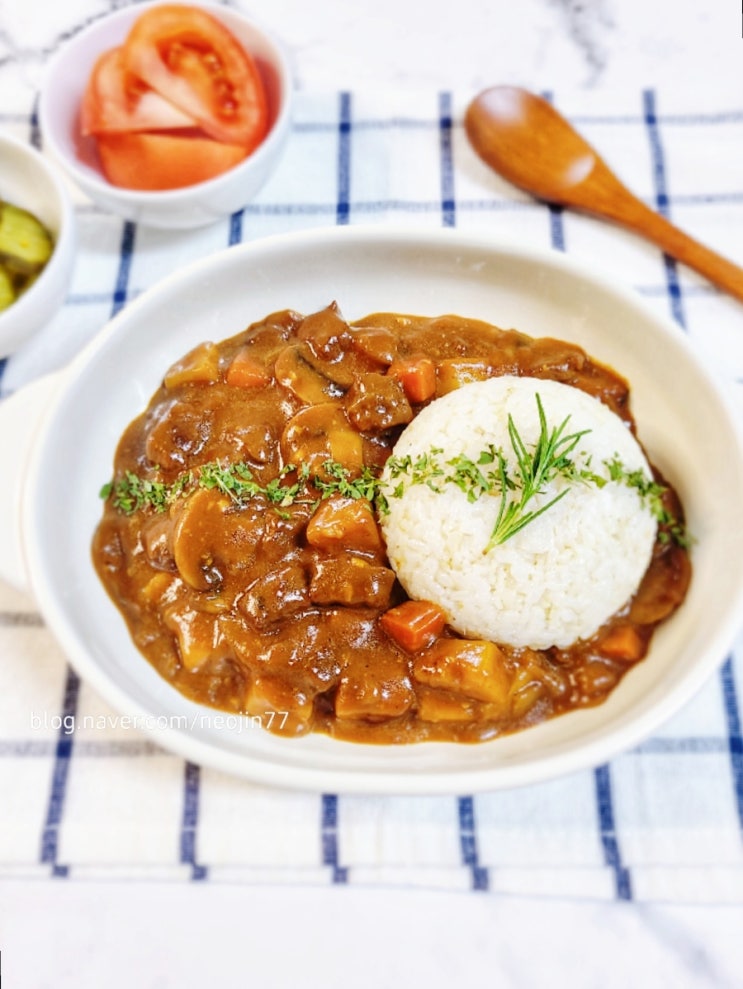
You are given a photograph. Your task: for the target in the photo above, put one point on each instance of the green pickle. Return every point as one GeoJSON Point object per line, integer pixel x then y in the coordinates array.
{"type": "Point", "coordinates": [25, 247]}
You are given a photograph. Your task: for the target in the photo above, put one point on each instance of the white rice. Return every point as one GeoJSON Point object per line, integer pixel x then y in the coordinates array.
{"type": "Point", "coordinates": [565, 573]}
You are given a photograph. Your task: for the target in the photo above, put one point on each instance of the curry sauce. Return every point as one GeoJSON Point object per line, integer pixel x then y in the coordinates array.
{"type": "Point", "coordinates": [241, 545]}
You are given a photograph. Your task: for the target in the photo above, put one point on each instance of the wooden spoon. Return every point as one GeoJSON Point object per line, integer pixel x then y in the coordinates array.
{"type": "Point", "coordinates": [526, 140]}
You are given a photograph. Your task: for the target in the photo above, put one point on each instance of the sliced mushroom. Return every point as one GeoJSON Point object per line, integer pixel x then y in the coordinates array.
{"type": "Point", "coordinates": [310, 379]}
{"type": "Point", "coordinates": [318, 434]}
{"type": "Point", "coordinates": [197, 526]}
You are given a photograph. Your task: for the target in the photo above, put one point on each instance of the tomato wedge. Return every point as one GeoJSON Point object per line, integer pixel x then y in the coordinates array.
{"type": "Point", "coordinates": [116, 100]}
{"type": "Point", "coordinates": [154, 162]}
{"type": "Point", "coordinates": [195, 63]}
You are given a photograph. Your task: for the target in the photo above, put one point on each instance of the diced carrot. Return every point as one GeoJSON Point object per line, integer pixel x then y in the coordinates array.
{"type": "Point", "coordinates": [623, 642]}
{"type": "Point", "coordinates": [417, 375]}
{"type": "Point", "coordinates": [246, 372]}
{"type": "Point", "coordinates": [414, 624]}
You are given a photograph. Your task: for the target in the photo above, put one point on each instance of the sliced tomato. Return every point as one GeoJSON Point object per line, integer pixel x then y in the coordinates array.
{"type": "Point", "coordinates": [194, 62]}
{"type": "Point", "coordinates": [164, 161]}
{"type": "Point", "coordinates": [116, 100]}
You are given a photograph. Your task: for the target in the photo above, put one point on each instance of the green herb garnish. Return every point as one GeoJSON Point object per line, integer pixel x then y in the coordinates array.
{"type": "Point", "coordinates": [517, 483]}
{"type": "Point", "coordinates": [515, 480]}
{"type": "Point", "coordinates": [132, 493]}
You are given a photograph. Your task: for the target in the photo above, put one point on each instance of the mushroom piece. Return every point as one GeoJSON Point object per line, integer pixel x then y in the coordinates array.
{"type": "Point", "coordinates": [321, 433]}
{"type": "Point", "coordinates": [311, 380]}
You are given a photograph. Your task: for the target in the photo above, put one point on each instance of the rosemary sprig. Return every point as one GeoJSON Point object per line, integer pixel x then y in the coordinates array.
{"type": "Point", "coordinates": [534, 469]}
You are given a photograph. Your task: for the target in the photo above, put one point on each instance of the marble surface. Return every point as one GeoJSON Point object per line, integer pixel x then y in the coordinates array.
{"type": "Point", "coordinates": [78, 935]}
{"type": "Point", "coordinates": [694, 46]}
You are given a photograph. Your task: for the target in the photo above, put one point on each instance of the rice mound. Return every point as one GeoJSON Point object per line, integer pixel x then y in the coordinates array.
{"type": "Point", "coordinates": [565, 573]}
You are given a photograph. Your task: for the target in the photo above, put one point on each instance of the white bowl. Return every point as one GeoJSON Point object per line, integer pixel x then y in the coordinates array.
{"type": "Point", "coordinates": [696, 445]}
{"type": "Point", "coordinates": [191, 206]}
{"type": "Point", "coordinates": [28, 180]}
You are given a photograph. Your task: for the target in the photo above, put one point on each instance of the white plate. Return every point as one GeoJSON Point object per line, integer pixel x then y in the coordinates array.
{"type": "Point", "coordinates": [694, 442]}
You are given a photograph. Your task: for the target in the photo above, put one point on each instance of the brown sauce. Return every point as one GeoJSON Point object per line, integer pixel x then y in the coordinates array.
{"type": "Point", "coordinates": [275, 611]}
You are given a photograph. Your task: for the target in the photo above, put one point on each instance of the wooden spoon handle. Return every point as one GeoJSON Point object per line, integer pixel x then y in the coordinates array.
{"type": "Point", "coordinates": [635, 215]}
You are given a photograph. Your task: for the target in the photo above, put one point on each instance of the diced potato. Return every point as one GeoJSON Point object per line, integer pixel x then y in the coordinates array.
{"type": "Point", "coordinates": [474, 668]}
{"type": "Point", "coordinates": [344, 523]}
{"type": "Point", "coordinates": [452, 374]}
{"type": "Point", "coordinates": [199, 636]}
{"type": "Point", "coordinates": [377, 697]}
{"type": "Point", "coordinates": [437, 705]}
{"type": "Point", "coordinates": [199, 366]}
{"type": "Point", "coordinates": [156, 588]}
{"type": "Point", "coordinates": [281, 707]}
{"type": "Point", "coordinates": [524, 699]}
{"type": "Point", "coordinates": [350, 580]}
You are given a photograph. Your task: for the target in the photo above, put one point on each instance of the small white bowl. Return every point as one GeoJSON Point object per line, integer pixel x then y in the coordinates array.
{"type": "Point", "coordinates": [191, 206]}
{"type": "Point", "coordinates": [28, 180]}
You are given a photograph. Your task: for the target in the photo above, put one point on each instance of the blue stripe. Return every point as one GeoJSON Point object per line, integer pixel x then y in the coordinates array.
{"type": "Point", "coordinates": [343, 209]}
{"type": "Point", "coordinates": [557, 227]}
{"type": "Point", "coordinates": [662, 200]}
{"type": "Point", "coordinates": [468, 843]}
{"type": "Point", "coordinates": [609, 841]}
{"type": "Point", "coordinates": [329, 837]}
{"type": "Point", "coordinates": [60, 774]}
{"type": "Point", "coordinates": [190, 822]}
{"type": "Point", "coordinates": [735, 745]}
{"type": "Point", "coordinates": [35, 130]}
{"type": "Point", "coordinates": [236, 228]}
{"type": "Point", "coordinates": [126, 251]}
{"type": "Point", "coordinates": [446, 159]}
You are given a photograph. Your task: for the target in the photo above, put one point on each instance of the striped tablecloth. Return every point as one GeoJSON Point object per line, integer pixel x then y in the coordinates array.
{"type": "Point", "coordinates": [82, 797]}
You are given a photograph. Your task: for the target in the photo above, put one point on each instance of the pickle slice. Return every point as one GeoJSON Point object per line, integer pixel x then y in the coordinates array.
{"type": "Point", "coordinates": [7, 289]}
{"type": "Point", "coordinates": [25, 243]}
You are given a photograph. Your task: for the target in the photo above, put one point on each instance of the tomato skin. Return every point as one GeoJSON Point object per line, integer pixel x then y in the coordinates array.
{"type": "Point", "coordinates": [115, 100]}
{"type": "Point", "coordinates": [193, 61]}
{"type": "Point", "coordinates": [154, 162]}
